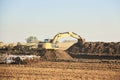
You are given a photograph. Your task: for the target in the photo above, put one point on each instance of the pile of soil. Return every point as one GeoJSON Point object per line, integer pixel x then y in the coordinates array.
{"type": "Point", "coordinates": [101, 48]}
{"type": "Point", "coordinates": [56, 55]}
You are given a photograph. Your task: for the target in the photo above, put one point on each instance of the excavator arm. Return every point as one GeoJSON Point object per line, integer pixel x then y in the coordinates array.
{"type": "Point", "coordinates": [66, 34]}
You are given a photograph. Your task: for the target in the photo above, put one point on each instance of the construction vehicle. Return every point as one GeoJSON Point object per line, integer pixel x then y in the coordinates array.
{"type": "Point", "coordinates": [50, 44]}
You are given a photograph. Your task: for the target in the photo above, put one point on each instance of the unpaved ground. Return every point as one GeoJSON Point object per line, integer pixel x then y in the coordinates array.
{"type": "Point", "coordinates": [80, 69]}
{"type": "Point", "coordinates": [61, 71]}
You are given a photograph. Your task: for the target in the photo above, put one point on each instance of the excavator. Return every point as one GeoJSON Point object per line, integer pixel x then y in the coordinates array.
{"type": "Point", "coordinates": [50, 44]}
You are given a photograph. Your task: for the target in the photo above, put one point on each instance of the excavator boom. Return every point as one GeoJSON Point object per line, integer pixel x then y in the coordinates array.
{"type": "Point", "coordinates": [66, 34]}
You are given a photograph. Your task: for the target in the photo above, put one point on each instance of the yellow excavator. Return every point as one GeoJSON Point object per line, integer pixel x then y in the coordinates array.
{"type": "Point", "coordinates": [50, 44]}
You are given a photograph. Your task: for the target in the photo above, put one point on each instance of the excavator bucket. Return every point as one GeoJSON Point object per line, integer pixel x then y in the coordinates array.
{"type": "Point", "coordinates": [81, 41]}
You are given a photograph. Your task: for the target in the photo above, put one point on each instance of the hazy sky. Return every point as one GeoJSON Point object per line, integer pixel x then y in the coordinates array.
{"type": "Point", "coordinates": [95, 20]}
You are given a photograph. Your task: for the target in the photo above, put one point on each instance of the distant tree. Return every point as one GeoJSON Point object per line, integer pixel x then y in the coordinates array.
{"type": "Point", "coordinates": [32, 39]}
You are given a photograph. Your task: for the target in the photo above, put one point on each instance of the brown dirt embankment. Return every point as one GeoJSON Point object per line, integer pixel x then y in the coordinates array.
{"type": "Point", "coordinates": [101, 48]}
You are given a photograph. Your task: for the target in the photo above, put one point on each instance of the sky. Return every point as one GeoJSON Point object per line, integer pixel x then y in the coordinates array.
{"type": "Point", "coordinates": [95, 20]}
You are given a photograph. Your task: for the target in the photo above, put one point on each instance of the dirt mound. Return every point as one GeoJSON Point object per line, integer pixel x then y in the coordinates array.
{"type": "Point", "coordinates": [109, 48]}
{"type": "Point", "coordinates": [56, 55]}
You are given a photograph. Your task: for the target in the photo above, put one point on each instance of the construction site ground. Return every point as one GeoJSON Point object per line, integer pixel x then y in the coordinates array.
{"type": "Point", "coordinates": [85, 69]}
{"type": "Point", "coordinates": [91, 61]}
